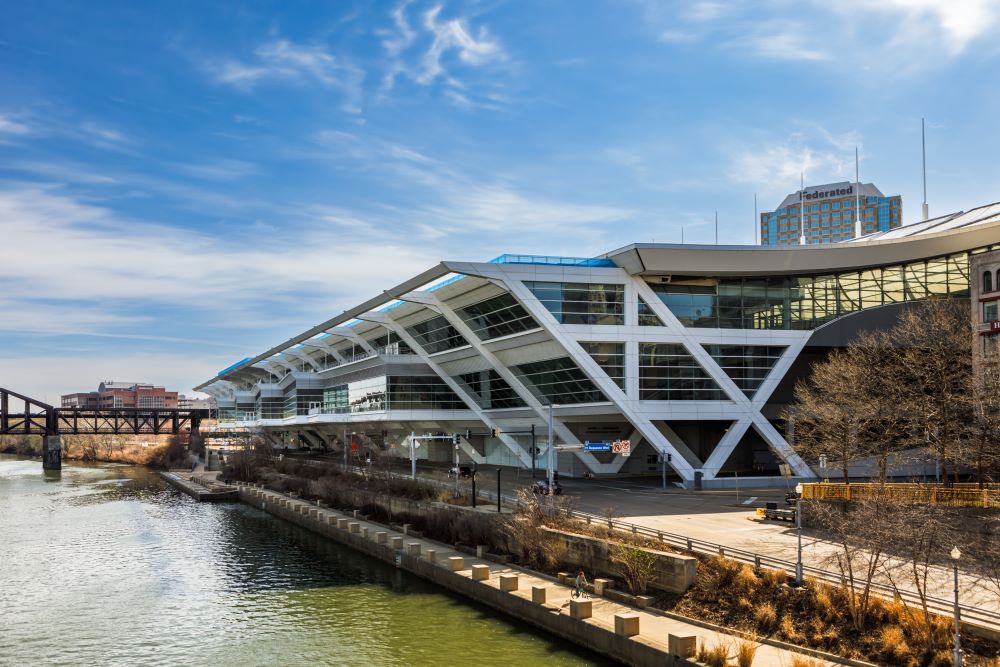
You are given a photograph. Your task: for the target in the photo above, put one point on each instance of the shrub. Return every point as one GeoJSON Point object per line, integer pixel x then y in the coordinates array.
{"type": "Point", "coordinates": [746, 649]}
{"type": "Point", "coordinates": [773, 578]}
{"type": "Point", "coordinates": [713, 657]}
{"type": "Point", "coordinates": [825, 605]}
{"type": "Point", "coordinates": [892, 643]}
{"type": "Point", "coordinates": [637, 566]}
{"type": "Point", "coordinates": [766, 616]}
{"type": "Point", "coordinates": [746, 580]}
{"type": "Point", "coordinates": [802, 661]}
{"type": "Point", "coordinates": [789, 631]}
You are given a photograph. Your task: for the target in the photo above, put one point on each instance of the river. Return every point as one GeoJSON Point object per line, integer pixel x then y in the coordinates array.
{"type": "Point", "coordinates": [106, 565]}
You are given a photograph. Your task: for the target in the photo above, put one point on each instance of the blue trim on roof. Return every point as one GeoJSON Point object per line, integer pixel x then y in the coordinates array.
{"type": "Point", "coordinates": [229, 368]}
{"type": "Point", "coordinates": [445, 282]}
{"type": "Point", "coordinates": [553, 260]}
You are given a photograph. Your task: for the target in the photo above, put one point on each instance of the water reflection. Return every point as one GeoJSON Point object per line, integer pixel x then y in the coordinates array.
{"type": "Point", "coordinates": [106, 565]}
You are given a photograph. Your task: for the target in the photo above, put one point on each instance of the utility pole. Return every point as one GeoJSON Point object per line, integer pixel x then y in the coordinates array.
{"type": "Point", "coordinates": [345, 449]}
{"type": "Point", "coordinates": [413, 455]}
{"type": "Point", "coordinates": [552, 444]}
{"type": "Point", "coordinates": [534, 452]}
{"type": "Point", "coordinates": [663, 461]}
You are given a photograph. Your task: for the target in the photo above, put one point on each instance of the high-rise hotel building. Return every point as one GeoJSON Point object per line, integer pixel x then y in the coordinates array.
{"type": "Point", "coordinates": [829, 214]}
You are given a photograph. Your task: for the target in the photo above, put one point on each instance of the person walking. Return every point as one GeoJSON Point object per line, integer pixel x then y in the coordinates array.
{"type": "Point", "coordinates": [581, 581]}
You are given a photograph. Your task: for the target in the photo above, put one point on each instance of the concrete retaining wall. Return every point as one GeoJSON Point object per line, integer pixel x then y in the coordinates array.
{"type": "Point", "coordinates": [630, 650]}
{"type": "Point", "coordinates": [674, 572]}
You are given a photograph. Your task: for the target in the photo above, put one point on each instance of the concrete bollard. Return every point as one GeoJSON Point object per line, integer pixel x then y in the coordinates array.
{"type": "Point", "coordinates": [314, 513]}
{"type": "Point", "coordinates": [320, 503]}
{"type": "Point", "coordinates": [354, 527]}
{"type": "Point", "coordinates": [626, 625]}
{"type": "Point", "coordinates": [601, 584]}
{"type": "Point", "coordinates": [508, 583]}
{"type": "Point", "coordinates": [364, 532]}
{"type": "Point", "coordinates": [682, 646]}
{"type": "Point", "coordinates": [581, 608]}
{"type": "Point", "coordinates": [397, 543]}
{"type": "Point", "coordinates": [480, 572]}
{"type": "Point", "coordinates": [406, 529]}
{"type": "Point", "coordinates": [643, 601]}
{"type": "Point", "coordinates": [456, 563]}
{"type": "Point", "coordinates": [431, 556]}
{"type": "Point", "coordinates": [304, 509]}
{"type": "Point", "coordinates": [480, 551]}
{"type": "Point", "coordinates": [332, 520]}
{"type": "Point", "coordinates": [381, 537]}
{"type": "Point", "coordinates": [538, 594]}
{"type": "Point", "coordinates": [342, 523]}
{"type": "Point", "coordinates": [355, 514]}
{"type": "Point", "coordinates": [413, 548]}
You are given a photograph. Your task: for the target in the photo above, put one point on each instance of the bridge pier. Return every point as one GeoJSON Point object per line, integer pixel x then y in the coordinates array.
{"type": "Point", "coordinates": [51, 452]}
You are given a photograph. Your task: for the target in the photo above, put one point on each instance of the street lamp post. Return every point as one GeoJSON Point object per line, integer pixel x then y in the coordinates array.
{"type": "Point", "coordinates": [552, 443]}
{"type": "Point", "coordinates": [955, 555]}
{"type": "Point", "coordinates": [798, 531]}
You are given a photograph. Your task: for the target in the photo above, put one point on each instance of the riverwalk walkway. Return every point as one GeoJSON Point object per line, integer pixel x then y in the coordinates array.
{"type": "Point", "coordinates": [631, 635]}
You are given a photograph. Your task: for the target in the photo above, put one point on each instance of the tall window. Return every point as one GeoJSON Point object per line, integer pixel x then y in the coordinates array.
{"type": "Point", "coordinates": [437, 335]}
{"type": "Point", "coordinates": [611, 358]}
{"type": "Point", "coordinates": [491, 391]}
{"type": "Point", "coordinates": [668, 373]}
{"type": "Point", "coordinates": [582, 303]}
{"type": "Point", "coordinates": [496, 317]}
{"type": "Point", "coordinates": [558, 381]}
{"type": "Point", "coordinates": [987, 282]}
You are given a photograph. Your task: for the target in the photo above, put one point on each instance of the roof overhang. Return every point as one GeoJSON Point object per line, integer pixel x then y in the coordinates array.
{"type": "Point", "coordinates": [698, 260]}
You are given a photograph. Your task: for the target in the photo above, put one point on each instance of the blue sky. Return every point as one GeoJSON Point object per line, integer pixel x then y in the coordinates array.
{"type": "Point", "coordinates": [183, 184]}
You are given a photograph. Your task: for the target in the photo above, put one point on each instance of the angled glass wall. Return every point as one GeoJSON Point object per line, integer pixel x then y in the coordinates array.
{"type": "Point", "coordinates": [558, 381]}
{"type": "Point", "coordinates": [490, 391]}
{"type": "Point", "coordinates": [806, 302]}
{"type": "Point", "coordinates": [746, 365]}
{"type": "Point", "coordinates": [610, 357]}
{"type": "Point", "coordinates": [422, 392]}
{"type": "Point", "coordinates": [437, 335]}
{"type": "Point", "coordinates": [581, 303]}
{"type": "Point", "coordinates": [500, 316]}
{"type": "Point", "coordinates": [668, 373]}
{"type": "Point", "coordinates": [647, 318]}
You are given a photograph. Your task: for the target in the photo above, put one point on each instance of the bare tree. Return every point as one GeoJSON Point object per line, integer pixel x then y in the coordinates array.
{"type": "Point", "coordinates": [636, 566]}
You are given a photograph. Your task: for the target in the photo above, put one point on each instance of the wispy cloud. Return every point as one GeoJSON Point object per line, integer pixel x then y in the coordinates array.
{"type": "Point", "coordinates": [283, 61]}
{"type": "Point", "coordinates": [11, 127]}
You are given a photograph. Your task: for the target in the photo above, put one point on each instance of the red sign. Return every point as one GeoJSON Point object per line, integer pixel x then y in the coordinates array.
{"type": "Point", "coordinates": [354, 446]}
{"type": "Point", "coordinates": [623, 447]}
{"type": "Point", "coordinates": [995, 325]}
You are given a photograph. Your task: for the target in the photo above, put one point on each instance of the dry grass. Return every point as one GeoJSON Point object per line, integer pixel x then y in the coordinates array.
{"type": "Point", "coordinates": [802, 661]}
{"type": "Point", "coordinates": [825, 604]}
{"type": "Point", "coordinates": [773, 578]}
{"type": "Point", "coordinates": [789, 631]}
{"type": "Point", "coordinates": [746, 649]}
{"type": "Point", "coordinates": [766, 616]}
{"type": "Point", "coordinates": [892, 644]}
{"type": "Point", "coordinates": [746, 581]}
{"type": "Point", "coordinates": [717, 656]}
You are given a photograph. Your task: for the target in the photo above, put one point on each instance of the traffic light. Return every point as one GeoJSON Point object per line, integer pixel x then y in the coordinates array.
{"type": "Point", "coordinates": [468, 434]}
{"type": "Point", "coordinates": [494, 433]}
{"type": "Point", "coordinates": [670, 457]}
{"type": "Point", "coordinates": [457, 439]}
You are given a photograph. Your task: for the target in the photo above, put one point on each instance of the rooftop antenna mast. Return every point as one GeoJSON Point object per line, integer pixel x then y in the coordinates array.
{"type": "Point", "coordinates": [923, 154]}
{"type": "Point", "coordinates": [857, 195]}
{"type": "Point", "coordinates": [802, 208]}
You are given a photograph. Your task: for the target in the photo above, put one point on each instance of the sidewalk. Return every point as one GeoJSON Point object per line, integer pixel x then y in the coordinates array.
{"type": "Point", "coordinates": [492, 583]}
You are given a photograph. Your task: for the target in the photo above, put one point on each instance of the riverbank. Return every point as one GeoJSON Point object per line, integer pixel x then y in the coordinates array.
{"type": "Point", "coordinates": [162, 452]}
{"type": "Point", "coordinates": [633, 636]}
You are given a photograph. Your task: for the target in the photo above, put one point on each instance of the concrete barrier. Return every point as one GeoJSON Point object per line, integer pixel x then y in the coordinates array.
{"type": "Point", "coordinates": [397, 543]}
{"type": "Point", "coordinates": [508, 582]}
{"type": "Point", "coordinates": [431, 556]}
{"type": "Point", "coordinates": [600, 585]}
{"type": "Point", "coordinates": [682, 646]}
{"type": "Point", "coordinates": [644, 601]}
{"type": "Point", "coordinates": [456, 563]}
{"type": "Point", "coordinates": [354, 527]}
{"type": "Point", "coordinates": [364, 532]}
{"type": "Point", "coordinates": [480, 572]}
{"type": "Point", "coordinates": [381, 537]}
{"type": "Point", "coordinates": [413, 548]}
{"type": "Point", "coordinates": [342, 523]}
{"type": "Point", "coordinates": [580, 609]}
{"type": "Point", "coordinates": [331, 520]}
{"type": "Point", "coordinates": [538, 594]}
{"type": "Point", "coordinates": [626, 625]}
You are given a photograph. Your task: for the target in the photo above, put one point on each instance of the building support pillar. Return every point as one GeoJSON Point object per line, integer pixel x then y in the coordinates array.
{"type": "Point", "coordinates": [51, 452]}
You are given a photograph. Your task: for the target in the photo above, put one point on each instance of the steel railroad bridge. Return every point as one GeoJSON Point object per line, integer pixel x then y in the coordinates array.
{"type": "Point", "coordinates": [50, 422]}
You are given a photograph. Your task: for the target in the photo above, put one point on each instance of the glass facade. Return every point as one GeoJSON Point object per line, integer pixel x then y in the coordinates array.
{"type": "Point", "coordinates": [668, 373]}
{"type": "Point", "coordinates": [491, 391]}
{"type": "Point", "coordinates": [647, 318]}
{"type": "Point", "coordinates": [558, 381]}
{"type": "Point", "coordinates": [806, 302]}
{"type": "Point", "coordinates": [299, 401]}
{"type": "Point", "coordinates": [746, 365]}
{"type": "Point", "coordinates": [436, 335]}
{"type": "Point", "coordinates": [422, 392]}
{"type": "Point", "coordinates": [610, 357]}
{"type": "Point", "coordinates": [582, 303]}
{"type": "Point", "coordinates": [496, 317]}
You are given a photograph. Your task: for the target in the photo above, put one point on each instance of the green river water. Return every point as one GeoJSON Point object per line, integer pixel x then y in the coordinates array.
{"type": "Point", "coordinates": [107, 565]}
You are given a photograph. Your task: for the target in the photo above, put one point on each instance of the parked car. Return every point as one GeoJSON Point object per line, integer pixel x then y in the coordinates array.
{"type": "Point", "coordinates": [463, 472]}
{"type": "Point", "coordinates": [542, 486]}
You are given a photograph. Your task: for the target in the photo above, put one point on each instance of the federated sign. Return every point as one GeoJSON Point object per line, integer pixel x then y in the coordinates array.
{"type": "Point", "coordinates": [589, 446]}
{"type": "Point", "coordinates": [623, 447]}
